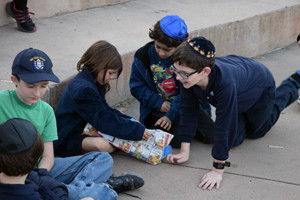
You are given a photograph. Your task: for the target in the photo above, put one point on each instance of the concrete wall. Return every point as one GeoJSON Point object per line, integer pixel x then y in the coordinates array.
{"type": "Point", "coordinates": [239, 37]}
{"type": "Point", "coordinates": [273, 30]}
{"type": "Point", "coordinates": [50, 8]}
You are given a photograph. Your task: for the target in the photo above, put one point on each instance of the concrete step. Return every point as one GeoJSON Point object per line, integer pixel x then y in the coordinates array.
{"type": "Point", "coordinates": [50, 8]}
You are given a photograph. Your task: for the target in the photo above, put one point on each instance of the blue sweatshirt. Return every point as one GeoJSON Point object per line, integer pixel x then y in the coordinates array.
{"type": "Point", "coordinates": [142, 85]}
{"type": "Point", "coordinates": [236, 85]}
{"type": "Point", "coordinates": [84, 102]}
{"type": "Point", "coordinates": [27, 191]}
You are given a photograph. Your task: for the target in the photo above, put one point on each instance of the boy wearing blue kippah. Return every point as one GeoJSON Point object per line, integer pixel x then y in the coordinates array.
{"type": "Point", "coordinates": [153, 83]}
{"type": "Point", "coordinates": [243, 92]}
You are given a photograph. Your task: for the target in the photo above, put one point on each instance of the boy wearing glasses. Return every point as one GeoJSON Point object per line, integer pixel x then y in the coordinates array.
{"type": "Point", "coordinates": [153, 83]}
{"type": "Point", "coordinates": [243, 91]}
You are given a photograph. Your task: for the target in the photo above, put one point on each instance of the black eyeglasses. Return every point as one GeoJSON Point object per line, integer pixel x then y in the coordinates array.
{"type": "Point", "coordinates": [182, 74]}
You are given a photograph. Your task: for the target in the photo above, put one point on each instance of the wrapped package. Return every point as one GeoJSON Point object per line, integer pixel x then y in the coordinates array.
{"type": "Point", "coordinates": [152, 150]}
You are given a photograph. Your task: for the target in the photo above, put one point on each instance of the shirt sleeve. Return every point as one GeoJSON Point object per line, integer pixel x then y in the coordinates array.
{"type": "Point", "coordinates": [226, 121]}
{"type": "Point", "coordinates": [94, 109]}
{"type": "Point", "coordinates": [50, 129]}
{"type": "Point", "coordinates": [189, 110]}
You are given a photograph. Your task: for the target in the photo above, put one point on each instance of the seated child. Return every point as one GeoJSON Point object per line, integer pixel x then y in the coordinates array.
{"type": "Point", "coordinates": [83, 101]}
{"type": "Point", "coordinates": [31, 73]}
{"type": "Point", "coordinates": [153, 83]}
{"type": "Point", "coordinates": [20, 148]}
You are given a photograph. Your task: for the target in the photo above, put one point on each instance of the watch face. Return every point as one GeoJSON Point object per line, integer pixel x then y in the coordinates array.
{"type": "Point", "coordinates": [219, 165]}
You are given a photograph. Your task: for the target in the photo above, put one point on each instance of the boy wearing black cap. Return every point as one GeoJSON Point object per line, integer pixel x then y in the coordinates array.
{"type": "Point", "coordinates": [84, 175]}
{"type": "Point", "coordinates": [152, 82]}
{"type": "Point", "coordinates": [243, 91]}
{"type": "Point", "coordinates": [20, 148]}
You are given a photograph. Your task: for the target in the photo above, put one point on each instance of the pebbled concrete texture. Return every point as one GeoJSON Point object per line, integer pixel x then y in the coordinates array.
{"type": "Point", "coordinates": [263, 29]}
{"type": "Point", "coordinates": [264, 168]}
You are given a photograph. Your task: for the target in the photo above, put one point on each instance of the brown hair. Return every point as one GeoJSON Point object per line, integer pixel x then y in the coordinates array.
{"type": "Point", "coordinates": [184, 55]}
{"type": "Point", "coordinates": [22, 163]}
{"type": "Point", "coordinates": [100, 56]}
{"type": "Point", "coordinates": [157, 34]}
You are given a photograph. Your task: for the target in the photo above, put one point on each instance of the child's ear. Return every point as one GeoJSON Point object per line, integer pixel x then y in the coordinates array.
{"type": "Point", "coordinates": [206, 70]}
{"type": "Point", "coordinates": [14, 79]}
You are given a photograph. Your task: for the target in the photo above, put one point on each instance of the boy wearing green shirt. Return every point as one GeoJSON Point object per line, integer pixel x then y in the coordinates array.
{"type": "Point", "coordinates": [84, 175]}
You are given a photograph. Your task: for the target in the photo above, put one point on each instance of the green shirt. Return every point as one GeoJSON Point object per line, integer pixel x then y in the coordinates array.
{"type": "Point", "coordinates": [41, 114]}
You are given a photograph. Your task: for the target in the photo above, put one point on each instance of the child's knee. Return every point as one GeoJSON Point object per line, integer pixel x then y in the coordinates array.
{"type": "Point", "coordinates": [104, 146]}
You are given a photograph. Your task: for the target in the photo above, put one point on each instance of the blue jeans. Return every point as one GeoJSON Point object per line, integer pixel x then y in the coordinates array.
{"type": "Point", "coordinates": [85, 175]}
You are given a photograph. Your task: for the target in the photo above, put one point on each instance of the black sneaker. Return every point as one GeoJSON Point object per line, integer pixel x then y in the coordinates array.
{"type": "Point", "coordinates": [295, 78]}
{"type": "Point", "coordinates": [125, 182]}
{"type": "Point", "coordinates": [22, 17]}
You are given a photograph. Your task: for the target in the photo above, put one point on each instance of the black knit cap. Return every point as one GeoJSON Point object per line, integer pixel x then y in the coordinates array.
{"type": "Point", "coordinates": [202, 47]}
{"type": "Point", "coordinates": [17, 136]}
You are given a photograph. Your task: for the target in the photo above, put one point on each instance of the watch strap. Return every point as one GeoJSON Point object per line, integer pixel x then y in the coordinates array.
{"type": "Point", "coordinates": [218, 165]}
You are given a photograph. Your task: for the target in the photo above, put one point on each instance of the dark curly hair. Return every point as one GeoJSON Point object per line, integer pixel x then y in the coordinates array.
{"type": "Point", "coordinates": [157, 34]}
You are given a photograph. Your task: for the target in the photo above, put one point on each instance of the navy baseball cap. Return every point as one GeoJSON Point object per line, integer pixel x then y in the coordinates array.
{"type": "Point", "coordinates": [33, 65]}
{"type": "Point", "coordinates": [174, 26]}
{"type": "Point", "coordinates": [17, 136]}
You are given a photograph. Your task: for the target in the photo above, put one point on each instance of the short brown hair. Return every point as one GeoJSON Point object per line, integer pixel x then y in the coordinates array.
{"type": "Point", "coordinates": [22, 163]}
{"type": "Point", "coordinates": [101, 55]}
{"type": "Point", "coordinates": [184, 55]}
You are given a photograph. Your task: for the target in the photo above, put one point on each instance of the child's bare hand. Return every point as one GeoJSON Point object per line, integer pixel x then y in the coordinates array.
{"type": "Point", "coordinates": [210, 180]}
{"type": "Point", "coordinates": [164, 122]}
{"type": "Point", "coordinates": [165, 107]}
{"type": "Point", "coordinates": [146, 135]}
{"type": "Point", "coordinates": [178, 158]}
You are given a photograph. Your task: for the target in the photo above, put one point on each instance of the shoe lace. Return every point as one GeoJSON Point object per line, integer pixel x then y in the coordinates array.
{"type": "Point", "coordinates": [23, 16]}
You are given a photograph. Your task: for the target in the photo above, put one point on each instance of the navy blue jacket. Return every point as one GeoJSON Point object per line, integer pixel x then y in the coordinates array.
{"type": "Point", "coordinates": [142, 86]}
{"type": "Point", "coordinates": [39, 185]}
{"type": "Point", "coordinates": [83, 101]}
{"type": "Point", "coordinates": [49, 188]}
{"type": "Point", "coordinates": [27, 191]}
{"type": "Point", "coordinates": [236, 85]}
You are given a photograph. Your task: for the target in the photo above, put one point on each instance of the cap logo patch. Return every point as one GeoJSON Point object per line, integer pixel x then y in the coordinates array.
{"type": "Point", "coordinates": [38, 62]}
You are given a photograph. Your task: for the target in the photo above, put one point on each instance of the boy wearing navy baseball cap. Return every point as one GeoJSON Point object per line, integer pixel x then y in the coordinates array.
{"type": "Point", "coordinates": [31, 73]}
{"type": "Point", "coordinates": [241, 89]}
{"type": "Point", "coordinates": [153, 83]}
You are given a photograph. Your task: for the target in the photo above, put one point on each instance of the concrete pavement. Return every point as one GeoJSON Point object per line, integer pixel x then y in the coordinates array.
{"type": "Point", "coordinates": [265, 168]}
{"type": "Point", "coordinates": [243, 27]}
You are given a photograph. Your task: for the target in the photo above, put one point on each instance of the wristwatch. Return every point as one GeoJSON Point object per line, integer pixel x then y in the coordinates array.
{"type": "Point", "coordinates": [218, 165]}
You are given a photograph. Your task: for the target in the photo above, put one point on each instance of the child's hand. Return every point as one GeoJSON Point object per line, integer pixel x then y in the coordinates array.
{"type": "Point", "coordinates": [179, 158]}
{"type": "Point", "coordinates": [146, 135]}
{"type": "Point", "coordinates": [211, 179]}
{"type": "Point", "coordinates": [165, 107]}
{"type": "Point", "coordinates": [164, 122]}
